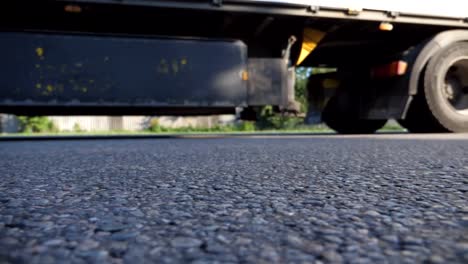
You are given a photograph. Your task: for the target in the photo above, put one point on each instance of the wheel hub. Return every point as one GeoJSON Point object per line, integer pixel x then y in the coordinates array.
{"type": "Point", "coordinates": [455, 89]}
{"type": "Point", "coordinates": [448, 91]}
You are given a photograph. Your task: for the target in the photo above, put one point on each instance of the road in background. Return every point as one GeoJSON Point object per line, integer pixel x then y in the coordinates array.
{"type": "Point", "coordinates": [363, 199]}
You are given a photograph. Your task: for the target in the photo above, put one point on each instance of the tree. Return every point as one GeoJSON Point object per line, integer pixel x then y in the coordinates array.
{"type": "Point", "coordinates": [302, 76]}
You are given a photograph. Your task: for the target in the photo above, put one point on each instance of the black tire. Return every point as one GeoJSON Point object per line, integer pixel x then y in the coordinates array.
{"type": "Point", "coordinates": [446, 87]}
{"type": "Point", "coordinates": [342, 115]}
{"type": "Point", "coordinates": [419, 118]}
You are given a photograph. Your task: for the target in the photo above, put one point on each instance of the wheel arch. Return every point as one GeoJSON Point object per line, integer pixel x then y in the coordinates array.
{"type": "Point", "coordinates": [430, 48]}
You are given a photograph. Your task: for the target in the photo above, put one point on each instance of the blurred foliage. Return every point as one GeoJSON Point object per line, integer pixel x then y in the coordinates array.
{"type": "Point", "coordinates": [269, 120]}
{"type": "Point", "coordinates": [244, 126]}
{"type": "Point", "coordinates": [36, 124]}
{"type": "Point", "coordinates": [77, 128]}
{"type": "Point", "coordinates": [154, 126]}
{"type": "Point", "coordinates": [302, 75]}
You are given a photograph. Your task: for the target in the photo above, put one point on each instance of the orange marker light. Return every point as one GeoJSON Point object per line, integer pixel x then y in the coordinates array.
{"type": "Point", "coordinates": [400, 67]}
{"type": "Point", "coordinates": [396, 68]}
{"type": "Point", "coordinates": [385, 26]}
{"type": "Point", "coordinates": [72, 9]}
{"type": "Point", "coordinates": [245, 75]}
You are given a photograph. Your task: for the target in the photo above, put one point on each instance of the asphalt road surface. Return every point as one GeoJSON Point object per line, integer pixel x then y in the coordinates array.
{"type": "Point", "coordinates": [359, 199]}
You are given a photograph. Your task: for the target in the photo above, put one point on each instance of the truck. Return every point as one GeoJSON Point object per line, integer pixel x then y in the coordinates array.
{"type": "Point", "coordinates": [381, 59]}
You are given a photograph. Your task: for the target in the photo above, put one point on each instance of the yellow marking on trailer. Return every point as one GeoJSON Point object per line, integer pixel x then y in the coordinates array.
{"type": "Point", "coordinates": [40, 52]}
{"type": "Point", "coordinates": [38, 86]}
{"type": "Point", "coordinates": [311, 38]}
{"type": "Point", "coordinates": [50, 88]}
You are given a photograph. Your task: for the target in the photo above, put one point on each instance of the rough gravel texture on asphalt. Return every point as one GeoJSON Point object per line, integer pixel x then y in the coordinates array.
{"type": "Point", "coordinates": [231, 200]}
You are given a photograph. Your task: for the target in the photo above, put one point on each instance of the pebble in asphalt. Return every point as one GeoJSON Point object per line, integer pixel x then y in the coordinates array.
{"type": "Point", "coordinates": [230, 200]}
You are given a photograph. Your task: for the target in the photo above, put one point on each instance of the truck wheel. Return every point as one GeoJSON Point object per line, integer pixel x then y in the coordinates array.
{"type": "Point", "coordinates": [341, 115]}
{"type": "Point", "coordinates": [419, 118]}
{"type": "Point", "coordinates": [446, 87]}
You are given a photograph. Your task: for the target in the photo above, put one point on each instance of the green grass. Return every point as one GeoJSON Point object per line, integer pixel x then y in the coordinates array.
{"type": "Point", "coordinates": [193, 130]}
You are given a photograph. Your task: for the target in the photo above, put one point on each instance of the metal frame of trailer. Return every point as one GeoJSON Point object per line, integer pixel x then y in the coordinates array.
{"type": "Point", "coordinates": [296, 8]}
